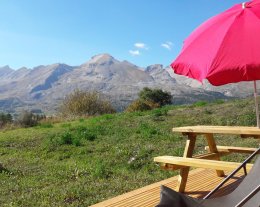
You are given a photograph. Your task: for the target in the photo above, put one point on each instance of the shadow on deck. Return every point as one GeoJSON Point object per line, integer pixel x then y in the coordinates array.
{"type": "Point", "coordinates": [200, 182]}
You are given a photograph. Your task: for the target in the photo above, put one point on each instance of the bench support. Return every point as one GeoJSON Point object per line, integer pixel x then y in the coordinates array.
{"type": "Point", "coordinates": [213, 149]}
{"type": "Point", "coordinates": [184, 172]}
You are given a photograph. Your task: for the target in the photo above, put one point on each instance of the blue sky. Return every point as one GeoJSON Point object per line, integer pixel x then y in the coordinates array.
{"type": "Point", "coordinates": [144, 32]}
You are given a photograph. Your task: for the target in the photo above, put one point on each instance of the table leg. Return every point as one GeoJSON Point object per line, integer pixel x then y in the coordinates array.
{"type": "Point", "coordinates": [184, 172]}
{"type": "Point", "coordinates": [213, 149]}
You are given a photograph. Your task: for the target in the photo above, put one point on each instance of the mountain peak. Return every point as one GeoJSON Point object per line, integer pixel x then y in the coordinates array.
{"type": "Point", "coordinates": [6, 68]}
{"type": "Point", "coordinates": [103, 59]}
{"type": "Point", "coordinates": [155, 67]}
{"type": "Point", "coordinates": [23, 69]}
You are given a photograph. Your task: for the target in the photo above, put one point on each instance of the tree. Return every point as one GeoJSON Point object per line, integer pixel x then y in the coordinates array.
{"type": "Point", "coordinates": [27, 119]}
{"type": "Point", "coordinates": [5, 119]}
{"type": "Point", "coordinates": [150, 99]}
{"type": "Point", "coordinates": [84, 103]}
{"type": "Point", "coordinates": [157, 96]}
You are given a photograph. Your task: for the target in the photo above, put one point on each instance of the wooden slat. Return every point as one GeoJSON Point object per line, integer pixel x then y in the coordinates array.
{"type": "Point", "coordinates": [133, 195]}
{"type": "Point", "coordinates": [193, 162]}
{"type": "Point", "coordinates": [231, 149]}
{"type": "Point", "coordinates": [209, 156]}
{"type": "Point", "coordinates": [149, 196]}
{"type": "Point", "coordinates": [236, 130]}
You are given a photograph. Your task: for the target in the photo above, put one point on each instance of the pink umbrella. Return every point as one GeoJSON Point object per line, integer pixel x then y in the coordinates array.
{"type": "Point", "coordinates": [224, 49]}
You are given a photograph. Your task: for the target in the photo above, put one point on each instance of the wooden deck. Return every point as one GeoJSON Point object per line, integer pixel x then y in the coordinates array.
{"type": "Point", "coordinates": [200, 182]}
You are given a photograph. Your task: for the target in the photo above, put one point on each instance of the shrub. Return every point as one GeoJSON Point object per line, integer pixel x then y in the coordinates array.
{"type": "Point", "coordinates": [82, 103]}
{"type": "Point", "coordinates": [28, 119]}
{"type": "Point", "coordinates": [74, 136]}
{"type": "Point", "coordinates": [66, 138]}
{"type": "Point", "coordinates": [141, 105]}
{"type": "Point", "coordinates": [150, 99]}
{"type": "Point", "coordinates": [157, 96]}
{"type": "Point", "coordinates": [83, 132]}
{"type": "Point", "coordinates": [5, 119]}
{"type": "Point", "coordinates": [76, 141]}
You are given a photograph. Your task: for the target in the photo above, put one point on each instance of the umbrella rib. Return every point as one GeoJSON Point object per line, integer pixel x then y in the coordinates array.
{"type": "Point", "coordinates": [254, 13]}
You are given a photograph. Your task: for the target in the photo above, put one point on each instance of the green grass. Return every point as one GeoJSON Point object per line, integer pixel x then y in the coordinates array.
{"type": "Point", "coordinates": [82, 162]}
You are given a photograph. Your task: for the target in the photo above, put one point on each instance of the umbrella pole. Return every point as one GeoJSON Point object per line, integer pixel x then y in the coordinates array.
{"type": "Point", "coordinates": [256, 105]}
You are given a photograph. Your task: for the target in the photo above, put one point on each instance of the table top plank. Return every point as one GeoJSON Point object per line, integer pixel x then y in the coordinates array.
{"type": "Point", "coordinates": [236, 130]}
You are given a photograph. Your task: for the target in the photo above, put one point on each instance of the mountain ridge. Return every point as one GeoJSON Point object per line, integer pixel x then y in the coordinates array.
{"type": "Point", "coordinates": [45, 86]}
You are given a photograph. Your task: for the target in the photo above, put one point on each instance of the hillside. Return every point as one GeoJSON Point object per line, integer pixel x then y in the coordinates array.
{"type": "Point", "coordinates": [85, 161]}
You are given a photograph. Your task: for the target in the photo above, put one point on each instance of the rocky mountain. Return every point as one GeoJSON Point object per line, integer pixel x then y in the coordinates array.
{"type": "Point", "coordinates": [42, 88]}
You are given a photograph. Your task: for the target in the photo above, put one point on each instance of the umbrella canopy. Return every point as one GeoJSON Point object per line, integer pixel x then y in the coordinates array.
{"type": "Point", "coordinates": [224, 49]}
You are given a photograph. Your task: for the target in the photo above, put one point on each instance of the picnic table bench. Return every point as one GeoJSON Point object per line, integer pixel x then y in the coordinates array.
{"type": "Point", "coordinates": [211, 159]}
{"type": "Point", "coordinates": [200, 181]}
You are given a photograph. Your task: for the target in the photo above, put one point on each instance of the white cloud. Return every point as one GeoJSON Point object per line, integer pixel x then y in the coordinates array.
{"type": "Point", "coordinates": [135, 52]}
{"type": "Point", "coordinates": [141, 45]}
{"type": "Point", "coordinates": [167, 45]}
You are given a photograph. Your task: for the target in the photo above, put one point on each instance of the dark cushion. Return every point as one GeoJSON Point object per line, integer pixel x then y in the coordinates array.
{"type": "Point", "coordinates": [171, 198]}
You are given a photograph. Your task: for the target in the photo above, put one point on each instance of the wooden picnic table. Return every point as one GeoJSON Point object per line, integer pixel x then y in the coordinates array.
{"type": "Point", "coordinates": [210, 159]}
{"type": "Point", "coordinates": [150, 195]}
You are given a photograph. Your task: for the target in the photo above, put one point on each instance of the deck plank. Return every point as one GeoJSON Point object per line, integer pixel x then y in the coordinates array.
{"type": "Point", "coordinates": [197, 186]}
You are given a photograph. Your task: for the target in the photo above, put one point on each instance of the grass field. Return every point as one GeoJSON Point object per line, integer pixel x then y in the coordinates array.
{"type": "Point", "coordinates": [85, 161]}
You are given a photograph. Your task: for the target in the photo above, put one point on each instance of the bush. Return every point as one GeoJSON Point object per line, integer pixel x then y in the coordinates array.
{"type": "Point", "coordinates": [28, 119]}
{"type": "Point", "coordinates": [74, 136]}
{"type": "Point", "coordinates": [157, 96]}
{"type": "Point", "coordinates": [5, 119]}
{"type": "Point", "coordinates": [150, 99]}
{"type": "Point", "coordinates": [82, 103]}
{"type": "Point", "coordinates": [141, 105]}
{"type": "Point", "coordinates": [66, 138]}
{"type": "Point", "coordinates": [84, 133]}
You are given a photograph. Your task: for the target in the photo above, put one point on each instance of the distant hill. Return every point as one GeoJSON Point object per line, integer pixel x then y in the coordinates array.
{"type": "Point", "coordinates": [43, 87]}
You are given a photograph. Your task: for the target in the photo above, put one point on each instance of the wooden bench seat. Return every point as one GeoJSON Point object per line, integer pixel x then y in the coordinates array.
{"type": "Point", "coordinates": [181, 162]}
